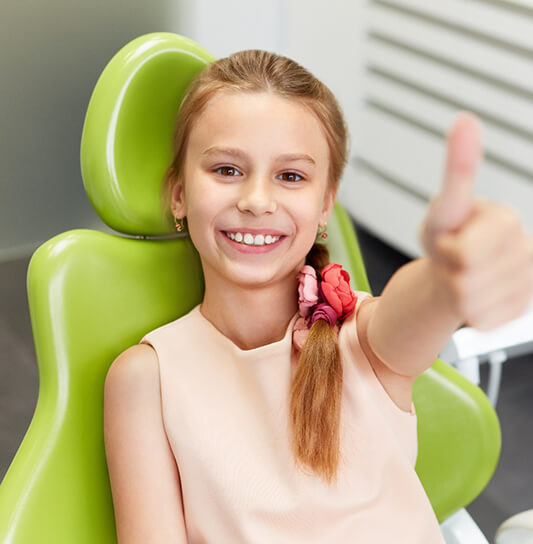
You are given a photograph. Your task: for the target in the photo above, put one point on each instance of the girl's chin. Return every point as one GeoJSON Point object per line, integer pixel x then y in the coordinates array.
{"type": "Point", "coordinates": [256, 275]}
{"type": "Point", "coordinates": [253, 278]}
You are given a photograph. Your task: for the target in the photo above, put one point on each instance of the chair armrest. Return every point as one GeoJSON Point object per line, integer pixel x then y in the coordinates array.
{"type": "Point", "coordinates": [462, 529]}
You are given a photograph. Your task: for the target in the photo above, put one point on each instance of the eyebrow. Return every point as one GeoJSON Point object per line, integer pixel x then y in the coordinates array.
{"type": "Point", "coordinates": [241, 154]}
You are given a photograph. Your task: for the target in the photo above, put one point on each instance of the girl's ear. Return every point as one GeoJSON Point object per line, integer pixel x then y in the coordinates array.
{"type": "Point", "coordinates": [329, 203]}
{"type": "Point", "coordinates": [177, 200]}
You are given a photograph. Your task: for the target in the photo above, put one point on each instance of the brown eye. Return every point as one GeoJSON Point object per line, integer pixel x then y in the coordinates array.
{"type": "Point", "coordinates": [291, 176]}
{"type": "Point", "coordinates": [227, 171]}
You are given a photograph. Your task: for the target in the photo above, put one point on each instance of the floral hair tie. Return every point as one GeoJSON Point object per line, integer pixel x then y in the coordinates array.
{"type": "Point", "coordinates": [327, 296]}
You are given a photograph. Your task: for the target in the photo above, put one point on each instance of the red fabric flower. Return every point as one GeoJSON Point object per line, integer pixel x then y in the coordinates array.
{"type": "Point", "coordinates": [335, 287]}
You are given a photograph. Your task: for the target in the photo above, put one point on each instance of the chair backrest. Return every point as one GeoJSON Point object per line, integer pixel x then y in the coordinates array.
{"type": "Point", "coordinates": [93, 294]}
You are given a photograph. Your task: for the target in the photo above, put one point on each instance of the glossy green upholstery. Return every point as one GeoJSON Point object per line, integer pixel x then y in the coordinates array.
{"type": "Point", "coordinates": [93, 294]}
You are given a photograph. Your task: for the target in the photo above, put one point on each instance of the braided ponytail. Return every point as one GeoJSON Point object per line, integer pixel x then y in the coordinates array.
{"type": "Point", "coordinates": [316, 389]}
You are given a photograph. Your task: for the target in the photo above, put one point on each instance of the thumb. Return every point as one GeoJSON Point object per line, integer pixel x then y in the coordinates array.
{"type": "Point", "coordinates": [454, 204]}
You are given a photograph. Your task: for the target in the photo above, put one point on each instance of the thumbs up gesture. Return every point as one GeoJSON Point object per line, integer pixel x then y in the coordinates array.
{"type": "Point", "coordinates": [479, 251]}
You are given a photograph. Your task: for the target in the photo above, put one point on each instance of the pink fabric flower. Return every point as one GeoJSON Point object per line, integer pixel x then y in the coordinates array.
{"type": "Point", "coordinates": [335, 287]}
{"type": "Point", "coordinates": [307, 290]}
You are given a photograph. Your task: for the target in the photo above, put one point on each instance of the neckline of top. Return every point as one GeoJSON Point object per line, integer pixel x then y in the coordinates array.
{"type": "Point", "coordinates": [286, 340]}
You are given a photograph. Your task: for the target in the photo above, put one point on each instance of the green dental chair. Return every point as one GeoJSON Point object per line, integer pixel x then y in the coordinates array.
{"type": "Point", "coordinates": [93, 294]}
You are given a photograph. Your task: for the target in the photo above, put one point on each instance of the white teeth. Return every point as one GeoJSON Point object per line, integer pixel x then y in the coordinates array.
{"type": "Point", "coordinates": [251, 240]}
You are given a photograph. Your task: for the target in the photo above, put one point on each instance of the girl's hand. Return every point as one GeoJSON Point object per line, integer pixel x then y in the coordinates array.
{"type": "Point", "coordinates": [479, 251]}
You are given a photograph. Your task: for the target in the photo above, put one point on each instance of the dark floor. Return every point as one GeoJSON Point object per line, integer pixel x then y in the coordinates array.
{"type": "Point", "coordinates": [510, 490]}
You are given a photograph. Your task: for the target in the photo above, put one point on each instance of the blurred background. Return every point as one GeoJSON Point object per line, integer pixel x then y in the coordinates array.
{"type": "Point", "coordinates": [401, 71]}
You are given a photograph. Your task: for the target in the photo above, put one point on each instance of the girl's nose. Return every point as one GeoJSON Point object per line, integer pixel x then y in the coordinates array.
{"type": "Point", "coordinates": [257, 197]}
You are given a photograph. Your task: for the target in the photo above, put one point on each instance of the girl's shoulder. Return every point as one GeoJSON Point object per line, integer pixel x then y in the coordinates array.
{"type": "Point", "coordinates": [133, 363]}
{"type": "Point", "coordinates": [361, 297]}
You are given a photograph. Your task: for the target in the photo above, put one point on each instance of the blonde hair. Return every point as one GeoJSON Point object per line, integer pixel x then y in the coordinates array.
{"type": "Point", "coordinates": [315, 395]}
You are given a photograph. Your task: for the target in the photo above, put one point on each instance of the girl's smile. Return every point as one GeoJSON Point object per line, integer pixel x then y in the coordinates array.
{"type": "Point", "coordinates": [246, 241]}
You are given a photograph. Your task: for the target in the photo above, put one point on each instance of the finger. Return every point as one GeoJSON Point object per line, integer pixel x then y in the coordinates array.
{"type": "Point", "coordinates": [488, 230]}
{"type": "Point", "coordinates": [453, 205]}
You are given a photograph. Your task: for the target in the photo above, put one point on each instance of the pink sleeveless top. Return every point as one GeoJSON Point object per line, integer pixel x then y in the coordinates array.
{"type": "Point", "coordinates": [225, 411]}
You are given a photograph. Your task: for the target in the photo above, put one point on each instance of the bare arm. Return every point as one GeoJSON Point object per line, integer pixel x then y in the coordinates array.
{"type": "Point", "coordinates": [144, 477]}
{"type": "Point", "coordinates": [411, 323]}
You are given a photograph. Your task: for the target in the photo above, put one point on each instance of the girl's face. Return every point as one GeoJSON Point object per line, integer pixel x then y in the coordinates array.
{"type": "Point", "coordinates": [255, 172]}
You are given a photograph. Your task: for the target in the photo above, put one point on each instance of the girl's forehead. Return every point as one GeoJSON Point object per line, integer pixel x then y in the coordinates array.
{"type": "Point", "coordinates": [259, 120]}
{"type": "Point", "coordinates": [245, 104]}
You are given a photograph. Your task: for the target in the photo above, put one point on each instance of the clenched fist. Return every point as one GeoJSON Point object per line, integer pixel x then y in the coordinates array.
{"type": "Point", "coordinates": [479, 250]}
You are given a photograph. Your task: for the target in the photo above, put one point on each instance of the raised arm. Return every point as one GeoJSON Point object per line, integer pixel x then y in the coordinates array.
{"type": "Point", "coordinates": [478, 268]}
{"type": "Point", "coordinates": [144, 477]}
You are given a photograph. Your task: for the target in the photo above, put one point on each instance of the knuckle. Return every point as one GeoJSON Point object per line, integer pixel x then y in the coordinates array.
{"type": "Point", "coordinates": [458, 256]}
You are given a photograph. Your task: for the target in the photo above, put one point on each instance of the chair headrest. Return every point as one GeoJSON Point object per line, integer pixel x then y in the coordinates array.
{"type": "Point", "coordinates": [126, 145]}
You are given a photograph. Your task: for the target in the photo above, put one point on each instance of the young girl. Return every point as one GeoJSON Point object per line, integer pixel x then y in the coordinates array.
{"type": "Point", "coordinates": [279, 409]}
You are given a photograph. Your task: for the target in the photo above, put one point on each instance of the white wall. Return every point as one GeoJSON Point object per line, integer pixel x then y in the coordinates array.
{"type": "Point", "coordinates": [327, 38]}
{"type": "Point", "coordinates": [229, 26]}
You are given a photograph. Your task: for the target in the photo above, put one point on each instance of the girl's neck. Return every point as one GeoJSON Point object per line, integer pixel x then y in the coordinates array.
{"type": "Point", "coordinates": [250, 317]}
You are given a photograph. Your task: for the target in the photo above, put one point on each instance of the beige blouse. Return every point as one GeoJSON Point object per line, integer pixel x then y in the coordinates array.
{"type": "Point", "coordinates": [225, 411]}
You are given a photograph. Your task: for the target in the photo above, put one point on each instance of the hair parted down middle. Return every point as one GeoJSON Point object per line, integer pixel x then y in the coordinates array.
{"type": "Point", "coordinates": [315, 395]}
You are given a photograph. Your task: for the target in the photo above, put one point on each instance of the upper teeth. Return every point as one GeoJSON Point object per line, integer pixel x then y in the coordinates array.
{"type": "Point", "coordinates": [251, 240]}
